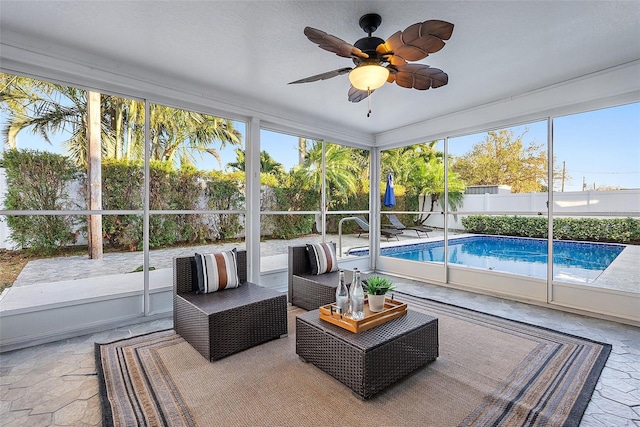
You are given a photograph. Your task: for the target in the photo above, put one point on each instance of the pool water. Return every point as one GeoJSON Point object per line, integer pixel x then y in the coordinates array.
{"type": "Point", "coordinates": [578, 262]}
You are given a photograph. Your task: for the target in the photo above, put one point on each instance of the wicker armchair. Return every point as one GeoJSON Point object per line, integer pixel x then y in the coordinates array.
{"type": "Point", "coordinates": [306, 290]}
{"type": "Point", "coordinates": [225, 322]}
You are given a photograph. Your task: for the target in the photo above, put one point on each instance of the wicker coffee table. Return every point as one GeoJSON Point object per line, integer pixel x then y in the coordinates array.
{"type": "Point", "coordinates": [369, 361]}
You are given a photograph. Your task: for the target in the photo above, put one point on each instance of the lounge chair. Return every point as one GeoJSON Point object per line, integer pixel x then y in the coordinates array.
{"type": "Point", "coordinates": [386, 232]}
{"type": "Point", "coordinates": [398, 225]}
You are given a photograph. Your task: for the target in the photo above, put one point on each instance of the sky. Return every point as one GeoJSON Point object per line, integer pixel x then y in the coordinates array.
{"type": "Point", "coordinates": [599, 148]}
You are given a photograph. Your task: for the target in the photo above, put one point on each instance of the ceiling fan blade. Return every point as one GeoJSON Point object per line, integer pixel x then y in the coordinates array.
{"type": "Point", "coordinates": [440, 29]}
{"type": "Point", "coordinates": [396, 61]}
{"type": "Point", "coordinates": [323, 76]}
{"type": "Point", "coordinates": [333, 44]}
{"type": "Point", "coordinates": [357, 95]}
{"type": "Point", "coordinates": [419, 76]}
{"type": "Point", "coordinates": [417, 41]}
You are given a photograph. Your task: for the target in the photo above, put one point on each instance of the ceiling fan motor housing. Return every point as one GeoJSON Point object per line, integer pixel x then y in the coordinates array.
{"type": "Point", "coordinates": [368, 45]}
{"type": "Point", "coordinates": [369, 23]}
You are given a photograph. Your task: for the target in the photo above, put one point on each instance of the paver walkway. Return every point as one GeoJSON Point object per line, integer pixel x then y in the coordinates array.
{"type": "Point", "coordinates": [78, 267]}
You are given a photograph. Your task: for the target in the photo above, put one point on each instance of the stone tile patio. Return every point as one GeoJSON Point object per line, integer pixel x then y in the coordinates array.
{"type": "Point", "coordinates": [56, 384]}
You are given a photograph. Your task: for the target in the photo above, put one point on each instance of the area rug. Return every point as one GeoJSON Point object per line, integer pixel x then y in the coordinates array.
{"type": "Point", "coordinates": [491, 371]}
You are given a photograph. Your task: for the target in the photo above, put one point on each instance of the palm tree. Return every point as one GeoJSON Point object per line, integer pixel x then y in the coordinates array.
{"type": "Point", "coordinates": [400, 161]}
{"type": "Point", "coordinates": [428, 179]}
{"type": "Point", "coordinates": [341, 172]}
{"type": "Point", "coordinates": [268, 164]}
{"type": "Point", "coordinates": [420, 168]}
{"type": "Point", "coordinates": [48, 109]}
{"type": "Point", "coordinates": [178, 135]}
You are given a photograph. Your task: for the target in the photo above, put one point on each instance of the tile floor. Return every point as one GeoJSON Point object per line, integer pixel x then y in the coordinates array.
{"type": "Point", "coordinates": [55, 384]}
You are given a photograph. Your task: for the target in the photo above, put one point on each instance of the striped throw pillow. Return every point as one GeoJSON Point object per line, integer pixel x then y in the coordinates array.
{"type": "Point", "coordinates": [322, 257]}
{"type": "Point", "coordinates": [217, 271]}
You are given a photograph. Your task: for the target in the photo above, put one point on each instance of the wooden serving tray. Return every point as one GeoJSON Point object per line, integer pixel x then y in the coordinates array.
{"type": "Point", "coordinates": [392, 310]}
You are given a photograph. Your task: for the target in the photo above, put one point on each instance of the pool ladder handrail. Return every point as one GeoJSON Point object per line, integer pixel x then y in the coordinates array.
{"type": "Point", "coordinates": [353, 218]}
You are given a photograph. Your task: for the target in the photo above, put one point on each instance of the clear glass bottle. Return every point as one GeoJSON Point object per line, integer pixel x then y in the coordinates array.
{"type": "Point", "coordinates": [349, 287]}
{"type": "Point", "coordinates": [357, 297]}
{"type": "Point", "coordinates": [342, 295]}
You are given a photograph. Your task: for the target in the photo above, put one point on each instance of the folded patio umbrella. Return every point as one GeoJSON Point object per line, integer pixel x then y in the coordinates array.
{"type": "Point", "coordinates": [389, 194]}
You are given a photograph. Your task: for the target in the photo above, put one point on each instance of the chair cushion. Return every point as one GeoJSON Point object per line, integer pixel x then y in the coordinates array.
{"type": "Point", "coordinates": [322, 258]}
{"type": "Point", "coordinates": [217, 271]}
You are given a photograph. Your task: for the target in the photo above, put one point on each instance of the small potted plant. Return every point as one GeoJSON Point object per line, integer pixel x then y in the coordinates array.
{"type": "Point", "coordinates": [376, 287]}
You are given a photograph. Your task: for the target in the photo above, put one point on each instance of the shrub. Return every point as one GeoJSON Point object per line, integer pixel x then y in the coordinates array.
{"type": "Point", "coordinates": [292, 225]}
{"type": "Point", "coordinates": [122, 189]}
{"type": "Point", "coordinates": [225, 192]}
{"type": "Point", "coordinates": [39, 181]}
{"type": "Point", "coordinates": [616, 230]}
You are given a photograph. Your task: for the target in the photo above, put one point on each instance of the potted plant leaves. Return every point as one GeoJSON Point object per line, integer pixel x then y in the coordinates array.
{"type": "Point", "coordinates": [376, 287]}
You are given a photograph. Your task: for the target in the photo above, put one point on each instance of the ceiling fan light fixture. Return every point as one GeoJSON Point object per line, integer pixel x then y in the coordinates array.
{"type": "Point", "coordinates": [368, 76]}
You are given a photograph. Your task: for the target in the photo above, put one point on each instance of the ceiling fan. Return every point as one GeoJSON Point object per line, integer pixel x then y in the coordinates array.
{"type": "Point", "coordinates": [378, 61]}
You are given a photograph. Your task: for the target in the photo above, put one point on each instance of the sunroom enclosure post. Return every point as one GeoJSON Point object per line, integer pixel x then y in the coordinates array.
{"type": "Point", "coordinates": [446, 211]}
{"type": "Point", "coordinates": [374, 207]}
{"type": "Point", "coordinates": [94, 173]}
{"type": "Point", "coordinates": [252, 205]}
{"type": "Point", "coordinates": [323, 193]}
{"type": "Point", "coordinates": [549, 210]}
{"type": "Point", "coordinates": [145, 216]}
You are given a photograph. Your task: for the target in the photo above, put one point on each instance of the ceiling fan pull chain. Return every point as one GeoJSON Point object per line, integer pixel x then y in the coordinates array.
{"type": "Point", "coordinates": [369, 101]}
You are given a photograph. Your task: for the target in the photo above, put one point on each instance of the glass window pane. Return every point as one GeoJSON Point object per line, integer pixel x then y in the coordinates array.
{"type": "Point", "coordinates": [67, 139]}
{"type": "Point", "coordinates": [503, 210]}
{"type": "Point", "coordinates": [412, 221]}
{"type": "Point", "coordinates": [596, 206]}
{"type": "Point", "coordinates": [290, 172]}
{"type": "Point", "coordinates": [291, 181]}
{"type": "Point", "coordinates": [196, 160]}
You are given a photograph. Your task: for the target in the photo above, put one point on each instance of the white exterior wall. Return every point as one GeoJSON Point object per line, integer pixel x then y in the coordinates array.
{"type": "Point", "coordinates": [622, 202]}
{"type": "Point", "coordinates": [5, 242]}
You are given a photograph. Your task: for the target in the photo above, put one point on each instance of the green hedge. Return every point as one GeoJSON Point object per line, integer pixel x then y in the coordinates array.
{"type": "Point", "coordinates": [293, 225]}
{"type": "Point", "coordinates": [122, 188]}
{"type": "Point", "coordinates": [617, 230]}
{"type": "Point", "coordinates": [224, 192]}
{"type": "Point", "coordinates": [169, 189]}
{"type": "Point", "coordinates": [43, 181]}
{"type": "Point", "coordinates": [39, 181]}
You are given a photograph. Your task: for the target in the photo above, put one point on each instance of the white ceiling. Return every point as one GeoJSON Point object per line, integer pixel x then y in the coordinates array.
{"type": "Point", "coordinates": [250, 50]}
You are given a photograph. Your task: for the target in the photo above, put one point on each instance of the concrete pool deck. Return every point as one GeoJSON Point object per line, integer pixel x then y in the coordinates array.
{"type": "Point", "coordinates": [623, 274]}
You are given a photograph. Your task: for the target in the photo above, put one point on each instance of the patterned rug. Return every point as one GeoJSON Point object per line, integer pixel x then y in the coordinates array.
{"type": "Point", "coordinates": [491, 371]}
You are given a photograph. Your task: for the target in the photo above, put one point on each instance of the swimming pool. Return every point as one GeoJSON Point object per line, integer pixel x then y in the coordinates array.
{"type": "Point", "coordinates": [577, 262]}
